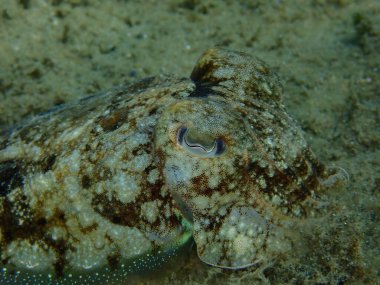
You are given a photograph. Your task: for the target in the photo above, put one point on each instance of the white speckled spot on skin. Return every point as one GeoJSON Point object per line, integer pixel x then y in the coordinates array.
{"type": "Point", "coordinates": [125, 186]}
{"type": "Point", "coordinates": [31, 256]}
{"type": "Point", "coordinates": [139, 163]}
{"type": "Point", "coordinates": [150, 211]}
{"type": "Point", "coordinates": [153, 176]}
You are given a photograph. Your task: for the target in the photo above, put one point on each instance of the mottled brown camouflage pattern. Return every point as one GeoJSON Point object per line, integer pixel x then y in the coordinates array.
{"type": "Point", "coordinates": [115, 175]}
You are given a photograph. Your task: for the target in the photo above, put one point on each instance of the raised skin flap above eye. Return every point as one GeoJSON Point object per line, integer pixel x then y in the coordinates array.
{"type": "Point", "coordinates": [236, 75]}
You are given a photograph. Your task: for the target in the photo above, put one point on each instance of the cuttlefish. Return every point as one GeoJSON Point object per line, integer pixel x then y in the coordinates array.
{"type": "Point", "coordinates": [136, 171]}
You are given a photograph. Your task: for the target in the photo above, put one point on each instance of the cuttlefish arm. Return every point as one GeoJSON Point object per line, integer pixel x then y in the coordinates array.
{"type": "Point", "coordinates": [232, 238]}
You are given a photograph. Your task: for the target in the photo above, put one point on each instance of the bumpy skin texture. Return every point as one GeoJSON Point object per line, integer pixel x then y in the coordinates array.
{"type": "Point", "coordinates": [114, 175]}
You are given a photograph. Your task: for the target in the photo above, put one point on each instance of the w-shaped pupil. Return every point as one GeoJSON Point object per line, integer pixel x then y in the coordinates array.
{"type": "Point", "coordinates": [215, 149]}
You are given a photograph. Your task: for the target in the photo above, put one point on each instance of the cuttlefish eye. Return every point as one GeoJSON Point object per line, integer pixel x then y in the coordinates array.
{"type": "Point", "coordinates": [200, 145]}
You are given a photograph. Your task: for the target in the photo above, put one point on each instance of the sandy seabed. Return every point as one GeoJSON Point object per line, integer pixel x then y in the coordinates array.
{"type": "Point", "coordinates": [325, 52]}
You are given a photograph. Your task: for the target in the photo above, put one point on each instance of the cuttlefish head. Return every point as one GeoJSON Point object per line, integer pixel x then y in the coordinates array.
{"type": "Point", "coordinates": [233, 160]}
{"type": "Point", "coordinates": [204, 146]}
